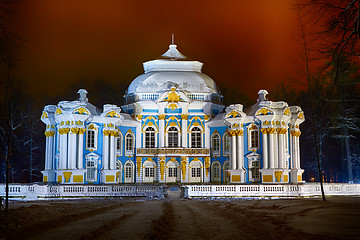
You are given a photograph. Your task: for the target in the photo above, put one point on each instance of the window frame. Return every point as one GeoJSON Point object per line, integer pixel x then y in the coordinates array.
{"type": "Point", "coordinates": [119, 144]}
{"type": "Point", "coordinates": [253, 138]}
{"type": "Point", "coordinates": [215, 151]}
{"type": "Point", "coordinates": [195, 137]}
{"type": "Point", "coordinates": [129, 136]}
{"type": "Point", "coordinates": [150, 137]}
{"type": "Point", "coordinates": [226, 139]}
{"type": "Point", "coordinates": [175, 138]}
{"type": "Point", "coordinates": [94, 130]}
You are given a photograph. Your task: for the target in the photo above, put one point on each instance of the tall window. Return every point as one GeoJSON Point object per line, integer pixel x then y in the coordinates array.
{"type": "Point", "coordinates": [90, 170]}
{"type": "Point", "coordinates": [254, 167]}
{"type": "Point", "coordinates": [173, 140]}
{"type": "Point", "coordinates": [196, 138]}
{"type": "Point", "coordinates": [128, 170]}
{"type": "Point", "coordinates": [226, 143]}
{"type": "Point", "coordinates": [216, 172]}
{"type": "Point", "coordinates": [254, 139]}
{"type": "Point", "coordinates": [118, 144]}
{"type": "Point", "coordinates": [215, 143]}
{"type": "Point", "coordinates": [129, 143]}
{"type": "Point", "coordinates": [90, 138]}
{"type": "Point", "coordinates": [150, 137]}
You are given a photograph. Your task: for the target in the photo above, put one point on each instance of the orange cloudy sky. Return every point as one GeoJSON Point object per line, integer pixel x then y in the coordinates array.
{"type": "Point", "coordinates": [245, 44]}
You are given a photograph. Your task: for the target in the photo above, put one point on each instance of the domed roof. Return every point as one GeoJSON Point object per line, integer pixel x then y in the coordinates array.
{"type": "Point", "coordinates": [172, 69]}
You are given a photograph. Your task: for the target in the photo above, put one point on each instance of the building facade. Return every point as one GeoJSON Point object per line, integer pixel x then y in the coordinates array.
{"type": "Point", "coordinates": [173, 128]}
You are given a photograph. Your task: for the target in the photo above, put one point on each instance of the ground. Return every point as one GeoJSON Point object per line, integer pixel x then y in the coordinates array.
{"type": "Point", "coordinates": [174, 218]}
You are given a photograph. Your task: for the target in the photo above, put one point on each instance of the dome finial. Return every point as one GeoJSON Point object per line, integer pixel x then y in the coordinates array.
{"type": "Point", "coordinates": [172, 39]}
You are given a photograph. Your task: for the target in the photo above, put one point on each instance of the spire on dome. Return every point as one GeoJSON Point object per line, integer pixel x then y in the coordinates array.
{"type": "Point", "coordinates": [173, 53]}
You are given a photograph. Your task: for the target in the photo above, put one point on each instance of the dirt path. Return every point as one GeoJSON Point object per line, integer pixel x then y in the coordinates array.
{"type": "Point", "coordinates": [338, 218]}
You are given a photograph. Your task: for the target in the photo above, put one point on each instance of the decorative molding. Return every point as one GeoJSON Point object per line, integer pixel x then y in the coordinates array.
{"type": "Point", "coordinates": [162, 117]}
{"type": "Point", "coordinates": [162, 167]}
{"type": "Point", "coordinates": [187, 151]}
{"type": "Point", "coordinates": [81, 111]}
{"type": "Point", "coordinates": [183, 167]}
{"type": "Point", "coordinates": [207, 165]}
{"type": "Point", "coordinates": [138, 164]}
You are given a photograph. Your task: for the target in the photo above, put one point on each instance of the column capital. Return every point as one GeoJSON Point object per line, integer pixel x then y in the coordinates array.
{"type": "Point", "coordinates": [161, 117]}
{"type": "Point", "coordinates": [81, 131]}
{"type": "Point", "coordinates": [74, 130]}
{"type": "Point", "coordinates": [295, 133]}
{"type": "Point", "coordinates": [106, 132]}
{"type": "Point", "coordinates": [64, 130]}
{"type": "Point", "coordinates": [49, 133]}
{"type": "Point", "coordinates": [239, 132]}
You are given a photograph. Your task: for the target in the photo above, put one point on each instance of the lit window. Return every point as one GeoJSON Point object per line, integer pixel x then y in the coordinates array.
{"type": "Point", "coordinates": [215, 143]}
{"type": "Point", "coordinates": [195, 138]}
{"type": "Point", "coordinates": [129, 143]}
{"type": "Point", "coordinates": [173, 140]}
{"type": "Point", "coordinates": [90, 138]}
{"type": "Point", "coordinates": [150, 137]}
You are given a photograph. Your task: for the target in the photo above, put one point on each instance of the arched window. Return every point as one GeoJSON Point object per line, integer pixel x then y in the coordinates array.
{"type": "Point", "coordinates": [119, 144]}
{"type": "Point", "coordinates": [226, 142]}
{"type": "Point", "coordinates": [90, 138]}
{"type": "Point", "coordinates": [150, 137]}
{"type": "Point", "coordinates": [226, 167]}
{"type": "Point", "coordinates": [196, 137]}
{"type": "Point", "coordinates": [129, 143]}
{"type": "Point", "coordinates": [215, 144]}
{"type": "Point", "coordinates": [173, 137]}
{"type": "Point", "coordinates": [253, 137]}
{"type": "Point", "coordinates": [216, 172]}
{"type": "Point", "coordinates": [128, 173]}
{"type": "Point", "coordinates": [149, 174]}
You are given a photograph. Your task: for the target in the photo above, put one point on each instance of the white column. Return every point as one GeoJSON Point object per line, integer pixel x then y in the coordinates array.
{"type": "Point", "coordinates": [281, 150]}
{"type": "Point", "coordinates": [292, 153]}
{"type": "Point", "coordinates": [112, 152]}
{"type": "Point", "coordinates": [184, 131]}
{"type": "Point", "coordinates": [161, 131]}
{"type": "Point", "coordinates": [72, 149]}
{"type": "Point", "coordinates": [51, 150]}
{"type": "Point", "coordinates": [276, 149]}
{"type": "Point", "coordinates": [265, 148]}
{"type": "Point", "coordinates": [297, 152]}
{"type": "Point", "coordinates": [271, 150]}
{"type": "Point", "coordinates": [233, 150]}
{"type": "Point", "coordinates": [63, 148]}
{"type": "Point", "coordinates": [47, 150]}
{"type": "Point", "coordinates": [80, 151]}
{"type": "Point", "coordinates": [105, 150]}
{"type": "Point", "coordinates": [239, 151]}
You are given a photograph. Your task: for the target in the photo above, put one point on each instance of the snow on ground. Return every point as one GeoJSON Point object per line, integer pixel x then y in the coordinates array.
{"type": "Point", "coordinates": [173, 218]}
